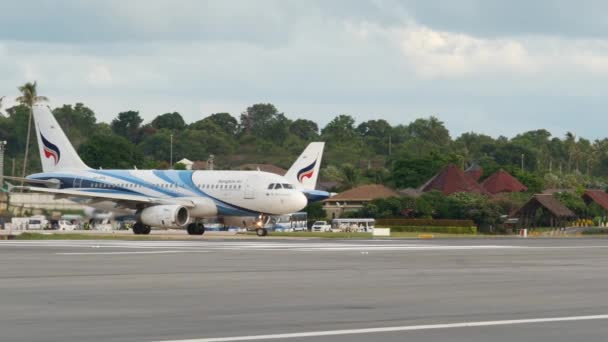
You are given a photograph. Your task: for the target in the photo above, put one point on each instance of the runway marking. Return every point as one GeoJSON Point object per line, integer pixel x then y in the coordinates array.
{"type": "Point", "coordinates": [394, 329]}
{"type": "Point", "coordinates": [193, 246]}
{"type": "Point", "coordinates": [123, 253]}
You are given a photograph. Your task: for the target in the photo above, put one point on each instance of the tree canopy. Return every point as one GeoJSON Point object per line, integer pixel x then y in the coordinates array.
{"type": "Point", "coordinates": [373, 151]}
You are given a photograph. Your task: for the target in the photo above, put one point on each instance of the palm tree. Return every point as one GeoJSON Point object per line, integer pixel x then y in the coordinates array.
{"type": "Point", "coordinates": [29, 97]}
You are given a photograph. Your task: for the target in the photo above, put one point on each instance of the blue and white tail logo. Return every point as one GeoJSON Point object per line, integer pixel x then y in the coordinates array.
{"type": "Point", "coordinates": [50, 150]}
{"type": "Point", "coordinates": [303, 174]}
{"type": "Point", "coordinates": [307, 172]}
{"type": "Point", "coordinates": [56, 151]}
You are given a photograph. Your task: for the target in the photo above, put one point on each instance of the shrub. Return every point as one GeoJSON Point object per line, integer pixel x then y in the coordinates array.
{"type": "Point", "coordinates": [595, 231]}
{"type": "Point", "coordinates": [437, 229]}
{"type": "Point", "coordinates": [424, 223]}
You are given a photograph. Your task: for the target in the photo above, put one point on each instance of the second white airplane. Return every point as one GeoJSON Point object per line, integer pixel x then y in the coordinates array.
{"type": "Point", "coordinates": [171, 198]}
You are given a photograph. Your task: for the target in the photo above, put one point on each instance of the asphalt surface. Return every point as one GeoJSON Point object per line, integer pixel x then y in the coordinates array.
{"type": "Point", "coordinates": [431, 290]}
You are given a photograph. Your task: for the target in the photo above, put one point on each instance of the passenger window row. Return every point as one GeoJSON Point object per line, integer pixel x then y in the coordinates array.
{"type": "Point", "coordinates": [201, 186]}
{"type": "Point", "coordinates": [108, 186]}
{"type": "Point", "coordinates": [220, 186]}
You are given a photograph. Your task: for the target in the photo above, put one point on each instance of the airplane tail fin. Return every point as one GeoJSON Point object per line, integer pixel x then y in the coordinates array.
{"type": "Point", "coordinates": [56, 151]}
{"type": "Point", "coordinates": [305, 171]}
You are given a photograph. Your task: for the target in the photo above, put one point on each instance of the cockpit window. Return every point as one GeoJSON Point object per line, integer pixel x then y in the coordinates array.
{"type": "Point", "coordinates": [279, 186]}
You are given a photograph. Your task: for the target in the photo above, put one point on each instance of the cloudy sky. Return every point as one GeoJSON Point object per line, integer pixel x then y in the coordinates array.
{"type": "Point", "coordinates": [497, 67]}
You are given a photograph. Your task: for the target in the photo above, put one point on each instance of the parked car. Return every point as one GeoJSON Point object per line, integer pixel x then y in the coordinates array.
{"type": "Point", "coordinates": [321, 226]}
{"type": "Point", "coordinates": [66, 225]}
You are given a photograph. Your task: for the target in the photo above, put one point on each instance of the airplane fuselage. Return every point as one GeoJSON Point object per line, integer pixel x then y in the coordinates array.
{"type": "Point", "coordinates": [232, 193]}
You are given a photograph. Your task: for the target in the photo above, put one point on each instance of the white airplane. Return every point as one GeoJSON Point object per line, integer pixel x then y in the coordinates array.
{"type": "Point", "coordinates": [171, 198]}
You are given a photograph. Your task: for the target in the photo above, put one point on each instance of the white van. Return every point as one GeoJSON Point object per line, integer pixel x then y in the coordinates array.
{"type": "Point", "coordinates": [66, 225]}
{"type": "Point", "coordinates": [36, 223]}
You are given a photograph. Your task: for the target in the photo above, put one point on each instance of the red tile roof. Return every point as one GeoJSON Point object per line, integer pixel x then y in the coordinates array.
{"type": "Point", "coordinates": [598, 196]}
{"type": "Point", "coordinates": [502, 181]}
{"type": "Point", "coordinates": [364, 193]}
{"type": "Point", "coordinates": [451, 180]}
{"type": "Point", "coordinates": [555, 207]}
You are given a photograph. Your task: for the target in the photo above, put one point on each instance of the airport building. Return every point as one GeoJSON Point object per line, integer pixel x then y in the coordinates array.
{"type": "Point", "coordinates": [354, 199]}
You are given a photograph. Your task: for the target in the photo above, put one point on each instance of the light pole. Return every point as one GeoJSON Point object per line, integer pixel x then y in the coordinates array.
{"type": "Point", "coordinates": [2, 149]}
{"type": "Point", "coordinates": [210, 162]}
{"type": "Point", "coordinates": [171, 153]}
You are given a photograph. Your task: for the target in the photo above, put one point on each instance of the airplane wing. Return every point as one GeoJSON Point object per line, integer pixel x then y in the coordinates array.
{"type": "Point", "coordinates": [52, 183]}
{"type": "Point", "coordinates": [126, 199]}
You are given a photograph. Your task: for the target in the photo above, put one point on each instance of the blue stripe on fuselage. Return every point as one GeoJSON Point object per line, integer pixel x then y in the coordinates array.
{"type": "Point", "coordinates": [181, 178]}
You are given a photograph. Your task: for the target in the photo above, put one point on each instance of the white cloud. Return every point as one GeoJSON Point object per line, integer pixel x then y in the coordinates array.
{"type": "Point", "coordinates": [29, 70]}
{"type": "Point", "coordinates": [442, 54]}
{"type": "Point", "coordinates": [100, 75]}
{"type": "Point", "coordinates": [315, 64]}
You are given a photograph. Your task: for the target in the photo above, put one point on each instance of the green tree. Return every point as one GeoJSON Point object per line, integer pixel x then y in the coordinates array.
{"type": "Point", "coordinates": [29, 97]}
{"type": "Point", "coordinates": [411, 172]}
{"type": "Point", "coordinates": [374, 128]}
{"type": "Point", "coordinates": [484, 213]}
{"type": "Point", "coordinates": [171, 121]}
{"type": "Point", "coordinates": [264, 121]}
{"type": "Point", "coordinates": [383, 207]}
{"type": "Point", "coordinates": [344, 144]}
{"type": "Point", "coordinates": [77, 122]}
{"type": "Point", "coordinates": [573, 201]}
{"type": "Point", "coordinates": [226, 122]}
{"type": "Point", "coordinates": [349, 176]}
{"type": "Point", "coordinates": [158, 146]}
{"type": "Point", "coordinates": [472, 146]}
{"type": "Point", "coordinates": [376, 135]}
{"type": "Point", "coordinates": [427, 135]}
{"type": "Point", "coordinates": [432, 205]}
{"type": "Point", "coordinates": [213, 137]}
{"type": "Point", "coordinates": [340, 129]}
{"type": "Point", "coordinates": [315, 211]}
{"type": "Point", "coordinates": [127, 124]}
{"type": "Point", "coordinates": [14, 129]}
{"type": "Point", "coordinates": [179, 166]}
{"type": "Point", "coordinates": [109, 151]}
{"type": "Point", "coordinates": [306, 130]}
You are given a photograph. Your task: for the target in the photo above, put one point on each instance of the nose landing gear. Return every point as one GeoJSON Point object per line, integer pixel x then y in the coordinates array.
{"type": "Point", "coordinates": [261, 232]}
{"type": "Point", "coordinates": [262, 221]}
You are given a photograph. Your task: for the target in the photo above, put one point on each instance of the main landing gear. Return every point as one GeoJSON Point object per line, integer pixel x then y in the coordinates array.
{"type": "Point", "coordinates": [141, 229]}
{"type": "Point", "coordinates": [196, 229]}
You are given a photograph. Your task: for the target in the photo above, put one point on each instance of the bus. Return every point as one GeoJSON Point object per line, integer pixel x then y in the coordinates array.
{"type": "Point", "coordinates": [296, 222]}
{"type": "Point", "coordinates": [353, 225]}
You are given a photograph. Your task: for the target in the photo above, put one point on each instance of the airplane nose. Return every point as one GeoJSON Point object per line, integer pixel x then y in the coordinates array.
{"type": "Point", "coordinates": [299, 202]}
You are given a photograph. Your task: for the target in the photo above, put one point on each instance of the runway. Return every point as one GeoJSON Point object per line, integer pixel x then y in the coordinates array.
{"type": "Point", "coordinates": [305, 290]}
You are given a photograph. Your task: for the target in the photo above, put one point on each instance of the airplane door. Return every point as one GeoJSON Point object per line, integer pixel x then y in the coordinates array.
{"type": "Point", "coordinates": [249, 190]}
{"type": "Point", "coordinates": [77, 183]}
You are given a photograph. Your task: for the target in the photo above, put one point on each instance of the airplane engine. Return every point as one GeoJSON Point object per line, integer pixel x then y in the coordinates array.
{"type": "Point", "coordinates": [165, 216]}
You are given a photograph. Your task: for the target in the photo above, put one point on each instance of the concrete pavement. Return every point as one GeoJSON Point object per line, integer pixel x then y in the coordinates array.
{"type": "Point", "coordinates": [175, 290]}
